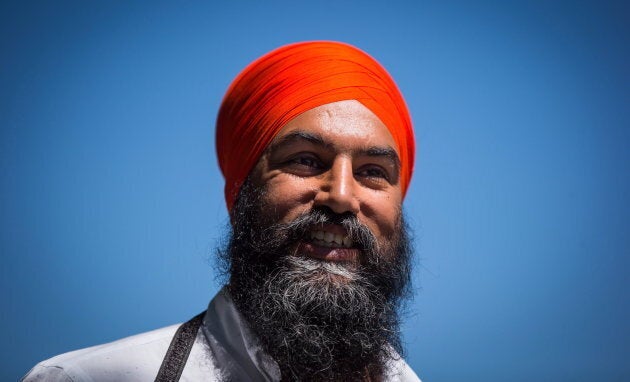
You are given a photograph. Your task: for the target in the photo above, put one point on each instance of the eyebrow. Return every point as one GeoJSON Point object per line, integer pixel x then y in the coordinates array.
{"type": "Point", "coordinates": [387, 152]}
{"type": "Point", "coordinates": [298, 135]}
{"type": "Point", "coordinates": [316, 139]}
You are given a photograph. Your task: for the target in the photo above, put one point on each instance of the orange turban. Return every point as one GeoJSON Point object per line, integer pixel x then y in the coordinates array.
{"type": "Point", "coordinates": [295, 78]}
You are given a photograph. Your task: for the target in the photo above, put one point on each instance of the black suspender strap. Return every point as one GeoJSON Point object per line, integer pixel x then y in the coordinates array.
{"type": "Point", "coordinates": [179, 350]}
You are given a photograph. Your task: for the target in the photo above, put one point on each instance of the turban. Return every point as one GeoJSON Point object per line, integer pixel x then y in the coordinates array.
{"type": "Point", "coordinates": [295, 78]}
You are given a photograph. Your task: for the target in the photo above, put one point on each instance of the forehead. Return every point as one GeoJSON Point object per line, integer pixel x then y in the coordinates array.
{"type": "Point", "coordinates": [343, 123]}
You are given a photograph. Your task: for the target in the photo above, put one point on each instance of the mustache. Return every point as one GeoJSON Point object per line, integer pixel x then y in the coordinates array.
{"type": "Point", "coordinates": [299, 228]}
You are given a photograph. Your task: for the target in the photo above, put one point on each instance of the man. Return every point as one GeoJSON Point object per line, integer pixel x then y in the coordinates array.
{"type": "Point", "coordinates": [316, 146]}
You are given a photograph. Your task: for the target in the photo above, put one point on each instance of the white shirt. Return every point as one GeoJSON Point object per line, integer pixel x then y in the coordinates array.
{"type": "Point", "coordinates": [224, 350]}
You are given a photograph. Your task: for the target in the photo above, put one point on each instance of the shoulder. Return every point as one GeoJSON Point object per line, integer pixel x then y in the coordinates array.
{"type": "Point", "coordinates": [400, 371]}
{"type": "Point", "coordinates": [133, 358]}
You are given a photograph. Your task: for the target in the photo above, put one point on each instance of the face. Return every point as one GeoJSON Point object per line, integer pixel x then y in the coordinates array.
{"type": "Point", "coordinates": [319, 256]}
{"type": "Point", "coordinates": [339, 156]}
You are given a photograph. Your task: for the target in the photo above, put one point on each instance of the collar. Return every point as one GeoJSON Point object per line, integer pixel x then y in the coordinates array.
{"type": "Point", "coordinates": [236, 350]}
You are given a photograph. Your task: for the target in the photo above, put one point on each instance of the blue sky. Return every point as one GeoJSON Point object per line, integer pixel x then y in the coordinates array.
{"type": "Point", "coordinates": [111, 199]}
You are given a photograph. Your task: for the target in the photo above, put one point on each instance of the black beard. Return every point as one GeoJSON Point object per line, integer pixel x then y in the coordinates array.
{"type": "Point", "coordinates": [319, 320]}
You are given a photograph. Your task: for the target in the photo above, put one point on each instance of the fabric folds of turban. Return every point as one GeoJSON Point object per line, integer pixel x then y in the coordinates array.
{"type": "Point", "coordinates": [292, 79]}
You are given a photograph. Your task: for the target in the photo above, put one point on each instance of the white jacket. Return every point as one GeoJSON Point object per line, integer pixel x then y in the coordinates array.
{"type": "Point", "coordinates": [224, 350]}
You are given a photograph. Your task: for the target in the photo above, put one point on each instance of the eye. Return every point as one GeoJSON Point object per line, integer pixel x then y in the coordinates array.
{"type": "Point", "coordinates": [306, 161]}
{"type": "Point", "coordinates": [304, 164]}
{"type": "Point", "coordinates": [374, 173]}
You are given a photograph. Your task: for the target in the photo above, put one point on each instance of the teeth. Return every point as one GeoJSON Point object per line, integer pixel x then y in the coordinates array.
{"type": "Point", "coordinates": [329, 239]}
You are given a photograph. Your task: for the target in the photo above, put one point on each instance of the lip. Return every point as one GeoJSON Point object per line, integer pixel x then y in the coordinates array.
{"type": "Point", "coordinates": [327, 253]}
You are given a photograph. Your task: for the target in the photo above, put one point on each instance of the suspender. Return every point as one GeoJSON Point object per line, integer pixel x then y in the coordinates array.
{"type": "Point", "coordinates": [179, 350]}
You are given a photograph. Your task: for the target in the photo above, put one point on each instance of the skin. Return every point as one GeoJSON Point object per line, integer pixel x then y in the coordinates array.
{"type": "Point", "coordinates": [338, 155]}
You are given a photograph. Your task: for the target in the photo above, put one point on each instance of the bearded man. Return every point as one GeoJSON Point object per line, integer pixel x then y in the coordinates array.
{"type": "Point", "coordinates": [316, 146]}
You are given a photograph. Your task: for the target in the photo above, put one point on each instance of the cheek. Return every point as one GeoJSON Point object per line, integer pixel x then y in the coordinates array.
{"type": "Point", "coordinates": [383, 214]}
{"type": "Point", "coordinates": [287, 197]}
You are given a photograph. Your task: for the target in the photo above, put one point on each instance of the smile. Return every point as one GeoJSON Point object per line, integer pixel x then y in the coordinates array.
{"type": "Point", "coordinates": [329, 239]}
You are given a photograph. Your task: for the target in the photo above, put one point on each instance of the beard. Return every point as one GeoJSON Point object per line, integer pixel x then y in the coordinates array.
{"type": "Point", "coordinates": [318, 320]}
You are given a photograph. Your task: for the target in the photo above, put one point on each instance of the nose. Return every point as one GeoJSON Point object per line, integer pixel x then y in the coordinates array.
{"type": "Point", "coordinates": [338, 188]}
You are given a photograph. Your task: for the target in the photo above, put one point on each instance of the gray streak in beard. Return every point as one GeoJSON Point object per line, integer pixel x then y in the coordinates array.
{"type": "Point", "coordinates": [310, 282]}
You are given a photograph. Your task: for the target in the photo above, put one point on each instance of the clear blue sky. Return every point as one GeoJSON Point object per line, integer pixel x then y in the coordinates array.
{"type": "Point", "coordinates": [111, 200]}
